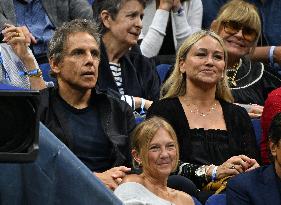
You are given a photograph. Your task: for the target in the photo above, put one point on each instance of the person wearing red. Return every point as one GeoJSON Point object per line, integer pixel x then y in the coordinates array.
{"type": "Point", "coordinates": [271, 108]}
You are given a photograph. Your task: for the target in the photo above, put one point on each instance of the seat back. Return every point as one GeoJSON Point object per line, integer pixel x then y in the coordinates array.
{"type": "Point", "coordinates": [162, 71]}
{"type": "Point", "coordinates": [257, 127]}
{"type": "Point", "coordinates": [216, 199]}
{"type": "Point", "coordinates": [45, 68]}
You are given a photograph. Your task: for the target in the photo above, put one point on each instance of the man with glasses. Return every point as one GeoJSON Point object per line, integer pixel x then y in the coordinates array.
{"type": "Point", "coordinates": [94, 125]}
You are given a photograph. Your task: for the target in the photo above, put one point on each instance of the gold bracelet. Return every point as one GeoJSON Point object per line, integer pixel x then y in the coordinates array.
{"type": "Point", "coordinates": [35, 73]}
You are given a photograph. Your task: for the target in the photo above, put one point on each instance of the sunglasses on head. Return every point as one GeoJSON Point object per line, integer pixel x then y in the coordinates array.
{"type": "Point", "coordinates": [233, 27]}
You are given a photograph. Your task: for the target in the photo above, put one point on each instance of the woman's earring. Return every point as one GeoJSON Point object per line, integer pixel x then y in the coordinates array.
{"type": "Point", "coordinates": [222, 75]}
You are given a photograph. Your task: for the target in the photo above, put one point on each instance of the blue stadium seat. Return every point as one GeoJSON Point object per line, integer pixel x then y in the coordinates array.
{"type": "Point", "coordinates": [257, 127]}
{"type": "Point", "coordinates": [216, 199]}
{"type": "Point", "coordinates": [196, 202]}
{"type": "Point", "coordinates": [45, 68]}
{"type": "Point", "coordinates": [162, 71]}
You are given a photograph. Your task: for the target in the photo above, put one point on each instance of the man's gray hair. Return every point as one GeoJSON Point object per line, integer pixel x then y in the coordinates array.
{"type": "Point", "coordinates": [59, 40]}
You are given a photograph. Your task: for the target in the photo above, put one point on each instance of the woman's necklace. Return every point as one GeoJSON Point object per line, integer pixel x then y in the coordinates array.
{"type": "Point", "coordinates": [194, 109]}
{"type": "Point", "coordinates": [232, 72]}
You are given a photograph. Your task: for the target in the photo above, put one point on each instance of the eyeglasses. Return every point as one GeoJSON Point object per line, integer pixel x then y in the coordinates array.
{"type": "Point", "coordinates": [233, 27]}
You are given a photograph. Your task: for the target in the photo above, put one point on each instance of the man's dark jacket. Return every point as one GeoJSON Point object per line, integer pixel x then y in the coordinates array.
{"type": "Point", "coordinates": [257, 187]}
{"type": "Point", "coordinates": [116, 116]}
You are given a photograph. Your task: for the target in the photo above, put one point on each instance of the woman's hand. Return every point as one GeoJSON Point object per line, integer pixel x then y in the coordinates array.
{"type": "Point", "coordinates": [176, 5]}
{"type": "Point", "coordinates": [169, 5]}
{"type": "Point", "coordinates": [255, 111]}
{"type": "Point", "coordinates": [236, 165]}
{"type": "Point", "coordinates": [147, 103]}
{"type": "Point", "coordinates": [113, 177]}
{"type": "Point", "coordinates": [18, 39]}
{"type": "Point", "coordinates": [166, 4]}
{"type": "Point", "coordinates": [253, 164]}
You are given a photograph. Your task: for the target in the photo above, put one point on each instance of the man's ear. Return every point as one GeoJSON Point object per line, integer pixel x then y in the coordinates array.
{"type": "Point", "coordinates": [273, 148]}
{"type": "Point", "coordinates": [106, 18]}
{"type": "Point", "coordinates": [54, 65]}
{"type": "Point", "coordinates": [136, 156]}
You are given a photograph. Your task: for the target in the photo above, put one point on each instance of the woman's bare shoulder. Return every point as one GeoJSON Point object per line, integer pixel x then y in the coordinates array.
{"type": "Point", "coordinates": [133, 178]}
{"type": "Point", "coordinates": [183, 198]}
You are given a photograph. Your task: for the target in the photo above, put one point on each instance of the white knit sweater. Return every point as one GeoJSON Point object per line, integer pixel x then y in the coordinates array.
{"type": "Point", "coordinates": [155, 23]}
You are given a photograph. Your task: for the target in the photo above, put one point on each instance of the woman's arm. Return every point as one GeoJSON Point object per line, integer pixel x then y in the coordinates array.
{"type": "Point", "coordinates": [267, 54]}
{"type": "Point", "coordinates": [19, 42]}
{"type": "Point", "coordinates": [189, 21]}
{"type": "Point", "coordinates": [153, 39]}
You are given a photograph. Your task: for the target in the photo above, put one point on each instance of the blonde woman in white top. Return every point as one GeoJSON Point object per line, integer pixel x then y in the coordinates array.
{"type": "Point", "coordinates": [155, 149]}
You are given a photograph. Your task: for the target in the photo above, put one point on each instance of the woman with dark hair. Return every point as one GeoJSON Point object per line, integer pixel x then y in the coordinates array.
{"type": "Point", "coordinates": [129, 73]}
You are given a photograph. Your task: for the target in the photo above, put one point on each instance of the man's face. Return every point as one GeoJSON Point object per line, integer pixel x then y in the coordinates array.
{"type": "Point", "coordinates": [78, 68]}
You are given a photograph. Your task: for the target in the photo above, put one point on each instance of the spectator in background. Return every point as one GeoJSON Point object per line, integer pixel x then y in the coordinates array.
{"type": "Point", "coordinates": [269, 11]}
{"type": "Point", "coordinates": [39, 19]}
{"type": "Point", "coordinates": [128, 73]}
{"type": "Point", "coordinates": [94, 125]}
{"type": "Point", "coordinates": [18, 65]}
{"type": "Point", "coordinates": [166, 24]}
{"type": "Point", "coordinates": [194, 97]}
{"type": "Point", "coordinates": [262, 185]}
{"type": "Point", "coordinates": [155, 149]}
{"type": "Point", "coordinates": [238, 23]}
{"type": "Point", "coordinates": [272, 106]}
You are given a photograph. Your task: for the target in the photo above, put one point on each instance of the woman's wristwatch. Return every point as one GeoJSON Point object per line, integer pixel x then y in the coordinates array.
{"type": "Point", "coordinates": [204, 172]}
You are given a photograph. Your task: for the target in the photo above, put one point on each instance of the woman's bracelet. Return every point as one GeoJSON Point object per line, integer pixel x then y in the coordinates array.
{"type": "Point", "coordinates": [214, 173]}
{"type": "Point", "coordinates": [208, 177]}
{"type": "Point", "coordinates": [31, 73]}
{"type": "Point", "coordinates": [142, 106]}
{"type": "Point", "coordinates": [270, 55]}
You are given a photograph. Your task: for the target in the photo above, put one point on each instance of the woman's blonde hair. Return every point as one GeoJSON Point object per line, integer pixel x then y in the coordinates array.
{"type": "Point", "coordinates": [175, 85]}
{"type": "Point", "coordinates": [144, 133]}
{"type": "Point", "coordinates": [241, 12]}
